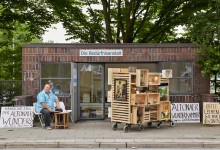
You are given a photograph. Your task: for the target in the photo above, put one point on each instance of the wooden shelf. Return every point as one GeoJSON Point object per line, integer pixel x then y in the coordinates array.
{"type": "Point", "coordinates": [153, 98]}
{"type": "Point", "coordinates": [139, 99]}
{"type": "Point", "coordinates": [147, 106]}
{"type": "Point", "coordinates": [164, 110]}
{"type": "Point", "coordinates": [163, 89]}
{"type": "Point", "coordinates": [154, 78]}
{"type": "Point", "coordinates": [142, 77]}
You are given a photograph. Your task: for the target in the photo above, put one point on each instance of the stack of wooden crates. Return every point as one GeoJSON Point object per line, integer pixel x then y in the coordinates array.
{"type": "Point", "coordinates": [146, 99]}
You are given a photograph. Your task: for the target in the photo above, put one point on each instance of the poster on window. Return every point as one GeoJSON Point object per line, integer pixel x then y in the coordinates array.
{"type": "Point", "coordinates": [17, 117]}
{"type": "Point", "coordinates": [167, 73]}
{"type": "Point", "coordinates": [185, 112]}
{"type": "Point", "coordinates": [211, 113]}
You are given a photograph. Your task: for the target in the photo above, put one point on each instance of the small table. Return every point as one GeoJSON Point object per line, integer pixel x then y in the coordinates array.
{"type": "Point", "coordinates": [58, 121]}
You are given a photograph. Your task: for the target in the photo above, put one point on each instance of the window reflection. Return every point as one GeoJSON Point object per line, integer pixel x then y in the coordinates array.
{"type": "Point", "coordinates": [91, 91]}
{"type": "Point", "coordinates": [56, 74]}
{"type": "Point", "coordinates": [181, 81]}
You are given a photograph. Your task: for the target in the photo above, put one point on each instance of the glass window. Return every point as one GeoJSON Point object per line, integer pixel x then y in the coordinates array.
{"type": "Point", "coordinates": [91, 91]}
{"type": "Point", "coordinates": [58, 86]}
{"type": "Point", "coordinates": [182, 76]}
{"type": "Point", "coordinates": [58, 75]}
{"type": "Point", "coordinates": [215, 84]}
{"type": "Point", "coordinates": [56, 70]}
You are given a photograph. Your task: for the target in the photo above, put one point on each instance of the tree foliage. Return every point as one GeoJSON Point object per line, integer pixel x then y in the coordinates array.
{"type": "Point", "coordinates": [124, 21]}
{"type": "Point", "coordinates": [34, 13]}
{"type": "Point", "coordinates": [10, 50]}
{"type": "Point", "coordinates": [204, 29]}
{"type": "Point", "coordinates": [21, 21]}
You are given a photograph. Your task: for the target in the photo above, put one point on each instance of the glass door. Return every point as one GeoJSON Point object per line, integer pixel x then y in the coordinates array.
{"type": "Point", "coordinates": [91, 91]}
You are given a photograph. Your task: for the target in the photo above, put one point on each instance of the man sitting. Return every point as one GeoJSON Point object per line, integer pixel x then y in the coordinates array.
{"type": "Point", "coordinates": [45, 104]}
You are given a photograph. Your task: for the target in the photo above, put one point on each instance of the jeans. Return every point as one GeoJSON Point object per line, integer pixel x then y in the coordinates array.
{"type": "Point", "coordinates": [46, 115]}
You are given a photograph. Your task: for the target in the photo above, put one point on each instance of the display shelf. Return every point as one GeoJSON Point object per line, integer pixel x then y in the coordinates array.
{"type": "Point", "coordinates": [153, 89]}
{"type": "Point", "coordinates": [164, 92]}
{"type": "Point", "coordinates": [153, 115]}
{"type": "Point", "coordinates": [154, 78]}
{"type": "Point", "coordinates": [139, 99]}
{"type": "Point", "coordinates": [164, 89]}
{"type": "Point", "coordinates": [134, 117]}
{"type": "Point", "coordinates": [133, 78]}
{"type": "Point", "coordinates": [144, 101]}
{"type": "Point", "coordinates": [142, 77]}
{"type": "Point", "coordinates": [137, 114]}
{"type": "Point", "coordinates": [153, 98]}
{"type": "Point", "coordinates": [90, 110]}
{"type": "Point", "coordinates": [146, 117]}
{"type": "Point", "coordinates": [164, 110]}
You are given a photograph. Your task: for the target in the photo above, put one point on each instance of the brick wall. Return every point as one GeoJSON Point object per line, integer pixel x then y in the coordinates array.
{"type": "Point", "coordinates": [34, 54]}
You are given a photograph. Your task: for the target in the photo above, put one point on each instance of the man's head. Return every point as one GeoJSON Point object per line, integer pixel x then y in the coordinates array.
{"type": "Point", "coordinates": [47, 88]}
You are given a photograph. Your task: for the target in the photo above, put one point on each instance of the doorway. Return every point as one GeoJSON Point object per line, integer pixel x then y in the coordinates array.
{"type": "Point", "coordinates": [91, 91]}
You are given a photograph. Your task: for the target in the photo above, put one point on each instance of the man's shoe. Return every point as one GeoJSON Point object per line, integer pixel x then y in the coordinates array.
{"type": "Point", "coordinates": [48, 128]}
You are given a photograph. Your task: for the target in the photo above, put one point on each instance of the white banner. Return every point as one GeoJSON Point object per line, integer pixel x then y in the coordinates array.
{"type": "Point", "coordinates": [185, 112]}
{"type": "Point", "coordinates": [101, 52]}
{"type": "Point", "coordinates": [17, 117]}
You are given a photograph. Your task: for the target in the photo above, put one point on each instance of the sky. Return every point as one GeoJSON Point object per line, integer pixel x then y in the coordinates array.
{"type": "Point", "coordinates": [56, 33]}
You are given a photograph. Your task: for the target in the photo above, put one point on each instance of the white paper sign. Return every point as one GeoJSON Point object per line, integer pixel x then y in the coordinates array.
{"type": "Point", "coordinates": [167, 73]}
{"type": "Point", "coordinates": [101, 52]}
{"type": "Point", "coordinates": [211, 113]}
{"type": "Point", "coordinates": [185, 112]}
{"type": "Point", "coordinates": [17, 117]}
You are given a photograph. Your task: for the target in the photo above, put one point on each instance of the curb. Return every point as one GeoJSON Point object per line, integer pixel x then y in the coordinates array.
{"type": "Point", "coordinates": [90, 144]}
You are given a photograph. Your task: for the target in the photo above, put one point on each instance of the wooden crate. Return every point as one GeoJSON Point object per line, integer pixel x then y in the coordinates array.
{"type": "Point", "coordinates": [153, 115]}
{"type": "Point", "coordinates": [154, 78]}
{"type": "Point", "coordinates": [142, 77]}
{"type": "Point", "coordinates": [146, 117]}
{"type": "Point", "coordinates": [139, 99]}
{"type": "Point", "coordinates": [153, 99]}
{"type": "Point", "coordinates": [164, 110]}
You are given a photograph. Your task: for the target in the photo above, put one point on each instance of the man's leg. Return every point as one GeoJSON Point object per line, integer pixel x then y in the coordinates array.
{"type": "Point", "coordinates": [61, 116]}
{"type": "Point", "coordinates": [46, 114]}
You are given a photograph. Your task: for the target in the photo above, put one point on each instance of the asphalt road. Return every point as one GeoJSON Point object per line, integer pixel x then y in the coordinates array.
{"type": "Point", "coordinates": [134, 148]}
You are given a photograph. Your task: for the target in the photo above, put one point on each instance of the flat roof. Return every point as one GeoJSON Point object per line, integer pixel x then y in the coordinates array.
{"type": "Point", "coordinates": [107, 45]}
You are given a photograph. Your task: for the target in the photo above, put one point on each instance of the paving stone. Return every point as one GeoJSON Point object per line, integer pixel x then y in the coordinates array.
{"type": "Point", "coordinates": [113, 145]}
{"type": "Point", "coordinates": [98, 134]}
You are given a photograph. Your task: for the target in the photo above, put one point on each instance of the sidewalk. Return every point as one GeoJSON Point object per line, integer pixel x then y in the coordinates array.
{"type": "Point", "coordinates": [99, 134]}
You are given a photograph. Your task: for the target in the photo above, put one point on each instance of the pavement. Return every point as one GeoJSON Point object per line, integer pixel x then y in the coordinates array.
{"type": "Point", "coordinates": [92, 134]}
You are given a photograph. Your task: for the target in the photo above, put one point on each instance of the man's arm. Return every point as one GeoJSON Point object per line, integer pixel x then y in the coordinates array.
{"type": "Point", "coordinates": [58, 104]}
{"type": "Point", "coordinates": [45, 106]}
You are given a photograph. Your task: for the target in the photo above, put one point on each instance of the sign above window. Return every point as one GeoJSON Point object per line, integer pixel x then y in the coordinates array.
{"type": "Point", "coordinates": [101, 52]}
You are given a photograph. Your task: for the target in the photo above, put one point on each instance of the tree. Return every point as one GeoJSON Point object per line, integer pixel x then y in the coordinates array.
{"type": "Point", "coordinates": [11, 42]}
{"type": "Point", "coordinates": [124, 21]}
{"type": "Point", "coordinates": [34, 13]}
{"type": "Point", "coordinates": [204, 29]}
{"type": "Point", "coordinates": [21, 21]}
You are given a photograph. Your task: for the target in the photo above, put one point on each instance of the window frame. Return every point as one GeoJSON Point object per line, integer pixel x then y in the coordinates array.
{"type": "Point", "coordinates": [160, 66]}
{"type": "Point", "coordinates": [53, 78]}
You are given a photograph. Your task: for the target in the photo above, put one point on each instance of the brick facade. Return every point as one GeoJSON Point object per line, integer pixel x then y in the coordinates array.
{"type": "Point", "coordinates": [34, 54]}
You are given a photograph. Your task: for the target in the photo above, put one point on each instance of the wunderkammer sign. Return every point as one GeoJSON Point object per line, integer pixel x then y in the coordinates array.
{"type": "Point", "coordinates": [185, 112]}
{"type": "Point", "coordinates": [211, 113]}
{"type": "Point", "coordinates": [17, 117]}
{"type": "Point", "coordinates": [101, 52]}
